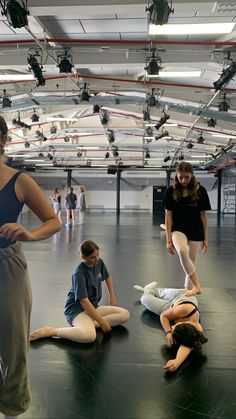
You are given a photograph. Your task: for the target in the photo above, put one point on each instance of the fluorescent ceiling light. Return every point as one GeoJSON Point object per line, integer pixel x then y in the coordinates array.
{"type": "Point", "coordinates": [16, 77]}
{"type": "Point", "coordinates": [83, 147]}
{"type": "Point", "coordinates": [175, 74]}
{"type": "Point", "coordinates": [53, 119]}
{"type": "Point", "coordinates": [191, 28]}
{"type": "Point", "coordinates": [44, 164]}
{"type": "Point", "coordinates": [19, 155]}
{"type": "Point", "coordinates": [223, 135]}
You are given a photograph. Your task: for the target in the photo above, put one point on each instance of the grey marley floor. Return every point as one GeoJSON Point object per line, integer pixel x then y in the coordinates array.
{"type": "Point", "coordinates": [122, 376]}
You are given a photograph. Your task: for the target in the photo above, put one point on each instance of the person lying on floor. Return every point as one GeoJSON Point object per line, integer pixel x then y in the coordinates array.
{"type": "Point", "coordinates": [82, 311]}
{"type": "Point", "coordinates": [179, 316]}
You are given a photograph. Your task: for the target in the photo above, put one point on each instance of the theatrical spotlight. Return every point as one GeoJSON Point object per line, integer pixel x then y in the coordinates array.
{"type": "Point", "coordinates": [159, 12]}
{"type": "Point", "coordinates": [146, 115]}
{"type": "Point", "coordinates": [151, 99]}
{"type": "Point", "coordinates": [89, 163]}
{"type": "Point", "coordinates": [65, 62]}
{"type": "Point", "coordinates": [167, 157]}
{"type": "Point", "coordinates": [50, 156]}
{"type": "Point", "coordinates": [149, 132]}
{"type": "Point", "coordinates": [37, 70]}
{"type": "Point", "coordinates": [163, 134]}
{"type": "Point", "coordinates": [223, 105]}
{"type": "Point", "coordinates": [20, 124]}
{"type": "Point", "coordinates": [111, 137]}
{"type": "Point", "coordinates": [200, 139]}
{"type": "Point", "coordinates": [107, 155]}
{"type": "Point", "coordinates": [15, 13]}
{"type": "Point", "coordinates": [53, 129]}
{"type": "Point", "coordinates": [41, 155]}
{"type": "Point", "coordinates": [104, 118]}
{"type": "Point", "coordinates": [41, 135]}
{"type": "Point", "coordinates": [84, 95]}
{"type": "Point", "coordinates": [27, 144]}
{"type": "Point", "coordinates": [66, 139]}
{"type": "Point", "coordinates": [34, 117]}
{"type": "Point", "coordinates": [211, 123]}
{"type": "Point", "coordinates": [189, 146]}
{"type": "Point", "coordinates": [162, 120]}
{"type": "Point", "coordinates": [115, 151]}
{"type": "Point", "coordinates": [147, 155]}
{"type": "Point", "coordinates": [6, 100]}
{"type": "Point", "coordinates": [96, 108]}
{"type": "Point", "coordinates": [226, 75]}
{"type": "Point", "coordinates": [79, 154]}
{"type": "Point", "coordinates": [153, 65]}
{"type": "Point", "coordinates": [181, 157]}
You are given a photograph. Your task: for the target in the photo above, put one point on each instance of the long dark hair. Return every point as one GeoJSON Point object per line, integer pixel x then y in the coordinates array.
{"type": "Point", "coordinates": [3, 134]}
{"type": "Point", "coordinates": [186, 334]}
{"type": "Point", "coordinates": [193, 185]}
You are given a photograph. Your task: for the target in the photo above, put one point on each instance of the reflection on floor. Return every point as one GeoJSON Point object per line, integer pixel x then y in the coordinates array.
{"type": "Point", "coordinates": [121, 376]}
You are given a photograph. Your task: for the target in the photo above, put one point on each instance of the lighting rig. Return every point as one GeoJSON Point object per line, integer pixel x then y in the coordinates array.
{"type": "Point", "coordinates": [227, 74]}
{"type": "Point", "coordinates": [20, 124]}
{"type": "Point", "coordinates": [104, 118]}
{"type": "Point", "coordinates": [224, 105]}
{"type": "Point", "coordinates": [65, 62]}
{"type": "Point", "coordinates": [200, 139]}
{"type": "Point", "coordinates": [161, 135]}
{"type": "Point", "coordinates": [211, 123]}
{"type": "Point", "coordinates": [151, 99]}
{"type": "Point", "coordinates": [153, 65]}
{"type": "Point", "coordinates": [34, 117]}
{"type": "Point", "coordinates": [6, 100]}
{"type": "Point", "coordinates": [162, 120]}
{"type": "Point", "coordinates": [159, 12]}
{"type": "Point", "coordinates": [15, 13]}
{"type": "Point", "coordinates": [84, 94]}
{"type": "Point", "coordinates": [146, 115]}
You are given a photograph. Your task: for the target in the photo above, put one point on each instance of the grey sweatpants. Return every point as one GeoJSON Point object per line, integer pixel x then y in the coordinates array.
{"type": "Point", "coordinates": [165, 298]}
{"type": "Point", "coordinates": [15, 310]}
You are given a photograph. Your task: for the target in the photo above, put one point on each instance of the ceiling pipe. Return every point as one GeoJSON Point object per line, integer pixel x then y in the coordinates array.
{"type": "Point", "coordinates": [118, 42]}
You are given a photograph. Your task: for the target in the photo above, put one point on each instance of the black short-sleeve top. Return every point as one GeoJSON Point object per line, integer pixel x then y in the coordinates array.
{"type": "Point", "coordinates": [186, 213]}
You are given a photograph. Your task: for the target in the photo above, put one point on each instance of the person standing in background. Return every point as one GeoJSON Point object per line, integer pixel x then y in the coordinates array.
{"type": "Point", "coordinates": [81, 205]}
{"type": "Point", "coordinates": [70, 204]}
{"type": "Point", "coordinates": [17, 189]}
{"type": "Point", "coordinates": [56, 202]}
{"type": "Point", "coordinates": [186, 204]}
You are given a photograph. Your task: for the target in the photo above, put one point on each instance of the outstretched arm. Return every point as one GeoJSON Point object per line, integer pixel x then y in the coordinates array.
{"type": "Point", "coordinates": [182, 354]}
{"type": "Point", "coordinates": [93, 313]}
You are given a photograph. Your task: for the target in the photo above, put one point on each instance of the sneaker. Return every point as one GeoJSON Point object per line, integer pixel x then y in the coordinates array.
{"type": "Point", "coordinates": [138, 288]}
{"type": "Point", "coordinates": [151, 288]}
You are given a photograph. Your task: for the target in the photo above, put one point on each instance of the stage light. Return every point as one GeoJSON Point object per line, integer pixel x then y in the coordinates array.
{"type": "Point", "coordinates": [6, 101]}
{"type": "Point", "coordinates": [15, 13]}
{"type": "Point", "coordinates": [159, 12]}
{"type": "Point", "coordinates": [37, 70]}
{"type": "Point", "coordinates": [41, 135]}
{"type": "Point", "coordinates": [34, 117]}
{"type": "Point", "coordinates": [149, 131]}
{"type": "Point", "coordinates": [79, 154]}
{"type": "Point", "coordinates": [27, 144]}
{"type": "Point", "coordinates": [84, 95]}
{"type": "Point", "coordinates": [167, 157]}
{"type": "Point", "coordinates": [163, 134]}
{"type": "Point", "coordinates": [223, 105]}
{"type": "Point", "coordinates": [20, 124]}
{"type": "Point", "coordinates": [41, 155]}
{"type": "Point", "coordinates": [189, 146]}
{"type": "Point", "coordinates": [117, 101]}
{"type": "Point", "coordinates": [227, 74]}
{"type": "Point", "coordinates": [89, 163]}
{"type": "Point", "coordinates": [151, 99]}
{"type": "Point", "coordinates": [200, 139]}
{"type": "Point", "coordinates": [104, 118]}
{"type": "Point", "coordinates": [162, 120]}
{"type": "Point", "coordinates": [146, 115]}
{"type": "Point", "coordinates": [181, 157]}
{"type": "Point", "coordinates": [115, 151]}
{"type": "Point", "coordinates": [53, 129]}
{"type": "Point", "coordinates": [65, 65]}
{"type": "Point", "coordinates": [107, 155]}
{"type": "Point", "coordinates": [66, 139]}
{"type": "Point", "coordinates": [211, 123]}
{"type": "Point", "coordinates": [111, 137]}
{"type": "Point", "coordinates": [153, 65]}
{"type": "Point", "coordinates": [96, 108]}
{"type": "Point", "coordinates": [147, 155]}
{"type": "Point", "coordinates": [50, 156]}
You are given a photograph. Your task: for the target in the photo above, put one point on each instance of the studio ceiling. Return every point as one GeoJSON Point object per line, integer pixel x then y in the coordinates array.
{"type": "Point", "coordinates": [109, 46]}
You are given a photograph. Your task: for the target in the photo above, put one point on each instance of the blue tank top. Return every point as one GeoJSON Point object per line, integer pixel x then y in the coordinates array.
{"type": "Point", "coordinates": [10, 206]}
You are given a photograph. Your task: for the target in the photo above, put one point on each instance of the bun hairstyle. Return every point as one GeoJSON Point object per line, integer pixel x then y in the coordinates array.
{"type": "Point", "coordinates": [186, 334]}
{"type": "Point", "coordinates": [3, 134]}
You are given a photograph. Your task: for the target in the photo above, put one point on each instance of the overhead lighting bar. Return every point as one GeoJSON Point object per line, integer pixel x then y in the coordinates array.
{"type": "Point", "coordinates": [224, 135]}
{"type": "Point", "coordinates": [175, 74]}
{"type": "Point", "coordinates": [16, 77]}
{"type": "Point", "coordinates": [19, 155]}
{"type": "Point", "coordinates": [88, 147]}
{"type": "Point", "coordinates": [191, 28]}
{"type": "Point", "coordinates": [54, 119]}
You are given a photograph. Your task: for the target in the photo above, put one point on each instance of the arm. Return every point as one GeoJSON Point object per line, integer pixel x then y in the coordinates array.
{"type": "Point", "coordinates": [182, 354]}
{"type": "Point", "coordinates": [111, 291]}
{"type": "Point", "coordinates": [168, 224]}
{"type": "Point", "coordinates": [204, 219]}
{"type": "Point", "coordinates": [30, 193]}
{"type": "Point", "coordinates": [93, 313]}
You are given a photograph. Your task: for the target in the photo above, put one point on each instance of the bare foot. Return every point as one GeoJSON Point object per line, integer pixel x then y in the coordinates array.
{"type": "Point", "coordinates": [193, 291]}
{"type": "Point", "coordinates": [43, 332]}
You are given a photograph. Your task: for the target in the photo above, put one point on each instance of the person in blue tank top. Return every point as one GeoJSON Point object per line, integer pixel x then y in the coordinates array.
{"type": "Point", "coordinates": [82, 309]}
{"type": "Point", "coordinates": [17, 189]}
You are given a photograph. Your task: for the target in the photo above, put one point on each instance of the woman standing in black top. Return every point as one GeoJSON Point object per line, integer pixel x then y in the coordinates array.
{"type": "Point", "coordinates": [186, 203]}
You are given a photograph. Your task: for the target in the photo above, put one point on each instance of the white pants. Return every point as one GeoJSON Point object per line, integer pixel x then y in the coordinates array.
{"type": "Point", "coordinates": [84, 327]}
{"type": "Point", "coordinates": [81, 216]}
{"type": "Point", "coordinates": [187, 251]}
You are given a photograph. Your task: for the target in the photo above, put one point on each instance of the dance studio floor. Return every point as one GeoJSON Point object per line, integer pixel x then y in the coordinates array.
{"type": "Point", "coordinates": [121, 376]}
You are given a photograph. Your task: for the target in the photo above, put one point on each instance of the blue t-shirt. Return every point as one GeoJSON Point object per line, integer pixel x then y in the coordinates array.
{"type": "Point", "coordinates": [86, 283]}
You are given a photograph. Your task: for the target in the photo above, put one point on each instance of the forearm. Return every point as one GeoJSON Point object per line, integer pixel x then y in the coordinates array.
{"type": "Point", "coordinates": [168, 223]}
{"type": "Point", "coordinates": [110, 288]}
{"type": "Point", "coordinates": [46, 229]}
{"type": "Point", "coordinates": [91, 310]}
{"type": "Point", "coordinates": [204, 219]}
{"type": "Point", "coordinates": [165, 322]}
{"type": "Point", "coordinates": [182, 354]}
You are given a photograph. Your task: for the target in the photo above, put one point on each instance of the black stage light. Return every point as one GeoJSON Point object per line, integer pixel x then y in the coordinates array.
{"type": "Point", "coordinates": [223, 106]}
{"type": "Point", "coordinates": [200, 139]}
{"type": "Point", "coordinates": [159, 12]}
{"type": "Point", "coordinates": [27, 144]}
{"type": "Point", "coordinates": [153, 66]}
{"type": "Point", "coordinates": [79, 154]}
{"type": "Point", "coordinates": [181, 157]}
{"type": "Point", "coordinates": [41, 155]}
{"type": "Point", "coordinates": [34, 117]}
{"type": "Point", "coordinates": [89, 163]}
{"type": "Point", "coordinates": [146, 115]}
{"type": "Point", "coordinates": [53, 129]}
{"type": "Point", "coordinates": [104, 119]}
{"type": "Point", "coordinates": [107, 155]}
{"type": "Point", "coordinates": [6, 101]}
{"type": "Point", "coordinates": [211, 123]}
{"type": "Point", "coordinates": [162, 120]}
{"type": "Point", "coordinates": [190, 146]}
{"type": "Point", "coordinates": [115, 151]}
{"type": "Point", "coordinates": [84, 95]}
{"type": "Point", "coordinates": [67, 139]}
{"type": "Point", "coordinates": [147, 155]}
{"type": "Point", "coordinates": [226, 75]}
{"type": "Point", "coordinates": [65, 65]}
{"type": "Point", "coordinates": [15, 13]}
{"type": "Point", "coordinates": [111, 137]}
{"type": "Point", "coordinates": [167, 157]}
{"type": "Point", "coordinates": [20, 124]}
{"type": "Point", "coordinates": [96, 108]}
{"type": "Point", "coordinates": [163, 134]}
{"type": "Point", "coordinates": [117, 101]}
{"type": "Point", "coordinates": [37, 70]}
{"type": "Point", "coordinates": [50, 156]}
{"type": "Point", "coordinates": [152, 101]}
{"type": "Point", "coordinates": [149, 131]}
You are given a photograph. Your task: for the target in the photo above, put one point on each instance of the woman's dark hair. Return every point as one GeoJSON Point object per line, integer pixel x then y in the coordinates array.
{"type": "Point", "coordinates": [87, 247]}
{"type": "Point", "coordinates": [187, 335]}
{"type": "Point", "coordinates": [192, 186]}
{"type": "Point", "coordinates": [3, 134]}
